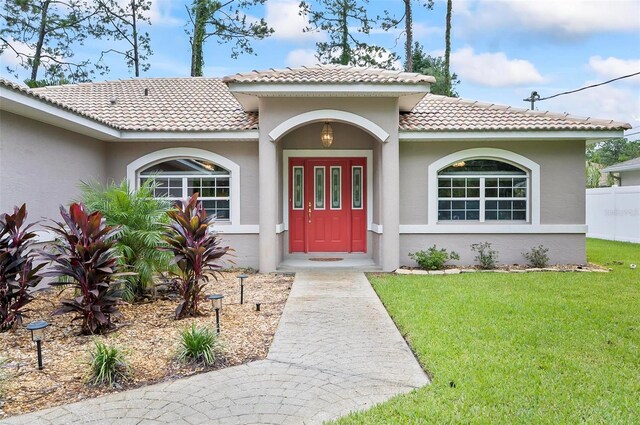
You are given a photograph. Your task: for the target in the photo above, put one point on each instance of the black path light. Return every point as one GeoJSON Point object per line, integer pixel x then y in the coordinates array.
{"type": "Point", "coordinates": [242, 277]}
{"type": "Point", "coordinates": [258, 306]}
{"type": "Point", "coordinates": [216, 303]}
{"type": "Point", "coordinates": [37, 335]}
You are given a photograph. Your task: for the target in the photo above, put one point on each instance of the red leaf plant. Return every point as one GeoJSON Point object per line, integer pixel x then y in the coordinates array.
{"type": "Point", "coordinates": [196, 250]}
{"type": "Point", "coordinates": [18, 275]}
{"type": "Point", "coordinates": [84, 253]}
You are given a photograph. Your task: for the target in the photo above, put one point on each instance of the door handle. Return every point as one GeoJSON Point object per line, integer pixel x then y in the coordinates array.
{"type": "Point", "coordinates": [309, 212]}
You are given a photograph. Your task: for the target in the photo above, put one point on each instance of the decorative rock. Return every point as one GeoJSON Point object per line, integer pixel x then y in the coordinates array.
{"type": "Point", "coordinates": [452, 271]}
{"type": "Point", "coordinates": [403, 271]}
{"type": "Point", "coordinates": [468, 271]}
{"type": "Point", "coordinates": [436, 271]}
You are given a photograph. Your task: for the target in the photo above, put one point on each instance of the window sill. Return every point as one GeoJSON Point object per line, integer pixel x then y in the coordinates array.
{"type": "Point", "coordinates": [489, 228]}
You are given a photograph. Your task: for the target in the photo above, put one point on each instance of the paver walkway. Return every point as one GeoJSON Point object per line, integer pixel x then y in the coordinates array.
{"type": "Point", "coordinates": [336, 350]}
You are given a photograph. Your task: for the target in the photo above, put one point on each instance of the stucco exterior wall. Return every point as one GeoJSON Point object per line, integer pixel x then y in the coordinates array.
{"type": "Point", "coordinates": [563, 248]}
{"type": "Point", "coordinates": [630, 178]}
{"type": "Point", "coordinates": [561, 176]}
{"type": "Point", "coordinates": [245, 154]}
{"type": "Point", "coordinates": [43, 165]}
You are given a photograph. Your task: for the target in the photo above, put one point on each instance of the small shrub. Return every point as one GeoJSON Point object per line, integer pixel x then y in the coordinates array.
{"type": "Point", "coordinates": [18, 275]}
{"type": "Point", "coordinates": [108, 364]}
{"type": "Point", "coordinates": [140, 218]}
{"type": "Point", "coordinates": [537, 256]}
{"type": "Point", "coordinates": [433, 258]}
{"type": "Point", "coordinates": [85, 253]}
{"type": "Point", "coordinates": [486, 257]}
{"type": "Point", "coordinates": [196, 251]}
{"type": "Point", "coordinates": [198, 345]}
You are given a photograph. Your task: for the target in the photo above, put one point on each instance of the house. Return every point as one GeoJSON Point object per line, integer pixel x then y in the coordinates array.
{"type": "Point", "coordinates": [327, 161]}
{"type": "Point", "coordinates": [628, 172]}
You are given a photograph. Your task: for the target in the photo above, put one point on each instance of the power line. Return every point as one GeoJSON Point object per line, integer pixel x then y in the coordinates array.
{"type": "Point", "coordinates": [535, 97]}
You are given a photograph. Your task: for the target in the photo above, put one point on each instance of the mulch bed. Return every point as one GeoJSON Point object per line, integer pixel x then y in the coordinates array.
{"type": "Point", "coordinates": [149, 335]}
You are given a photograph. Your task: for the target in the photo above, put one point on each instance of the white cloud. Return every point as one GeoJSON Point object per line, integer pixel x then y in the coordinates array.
{"type": "Point", "coordinates": [301, 57]}
{"type": "Point", "coordinates": [614, 67]}
{"type": "Point", "coordinates": [284, 17]}
{"type": "Point", "coordinates": [554, 17]}
{"type": "Point", "coordinates": [493, 69]}
{"type": "Point", "coordinates": [607, 102]}
{"type": "Point", "coordinates": [160, 13]}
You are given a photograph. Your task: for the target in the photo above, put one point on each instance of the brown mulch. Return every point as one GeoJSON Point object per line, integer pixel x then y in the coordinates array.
{"type": "Point", "coordinates": [149, 335]}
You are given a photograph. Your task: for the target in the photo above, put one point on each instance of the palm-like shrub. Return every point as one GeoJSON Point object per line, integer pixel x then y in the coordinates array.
{"type": "Point", "coordinates": [18, 275]}
{"type": "Point", "coordinates": [84, 258]}
{"type": "Point", "coordinates": [198, 345]}
{"type": "Point", "coordinates": [196, 252]}
{"type": "Point", "coordinates": [140, 218]}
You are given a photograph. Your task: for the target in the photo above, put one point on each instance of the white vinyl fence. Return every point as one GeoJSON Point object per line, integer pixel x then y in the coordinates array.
{"type": "Point", "coordinates": [614, 213]}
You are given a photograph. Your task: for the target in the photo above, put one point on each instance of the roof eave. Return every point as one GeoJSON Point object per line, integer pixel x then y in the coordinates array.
{"type": "Point", "coordinates": [590, 136]}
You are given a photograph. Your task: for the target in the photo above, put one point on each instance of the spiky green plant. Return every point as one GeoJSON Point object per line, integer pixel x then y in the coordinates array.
{"type": "Point", "coordinates": [108, 364]}
{"type": "Point", "coordinates": [140, 218]}
{"type": "Point", "coordinates": [198, 345]}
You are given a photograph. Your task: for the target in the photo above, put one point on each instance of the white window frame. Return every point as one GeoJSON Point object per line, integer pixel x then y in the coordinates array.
{"type": "Point", "coordinates": [353, 167]}
{"type": "Point", "coordinates": [293, 186]}
{"type": "Point", "coordinates": [233, 226]}
{"type": "Point", "coordinates": [339, 168]}
{"type": "Point", "coordinates": [324, 188]}
{"type": "Point", "coordinates": [532, 169]}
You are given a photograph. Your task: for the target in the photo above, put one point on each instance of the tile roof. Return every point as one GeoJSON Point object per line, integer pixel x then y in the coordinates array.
{"type": "Point", "coordinates": [335, 74]}
{"type": "Point", "coordinates": [441, 113]}
{"type": "Point", "coordinates": [206, 104]}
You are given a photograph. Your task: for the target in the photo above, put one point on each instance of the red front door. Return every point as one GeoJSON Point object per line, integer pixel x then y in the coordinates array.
{"type": "Point", "coordinates": [327, 205]}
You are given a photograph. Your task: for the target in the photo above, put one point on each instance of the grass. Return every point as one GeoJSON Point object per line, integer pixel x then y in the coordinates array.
{"type": "Point", "coordinates": [528, 348]}
{"type": "Point", "coordinates": [108, 365]}
{"type": "Point", "coordinates": [198, 345]}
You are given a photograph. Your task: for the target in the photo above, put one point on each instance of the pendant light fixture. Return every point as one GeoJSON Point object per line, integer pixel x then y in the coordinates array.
{"type": "Point", "coordinates": [326, 136]}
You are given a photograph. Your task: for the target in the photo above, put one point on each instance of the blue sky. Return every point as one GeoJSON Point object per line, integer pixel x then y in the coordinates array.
{"type": "Point", "coordinates": [501, 49]}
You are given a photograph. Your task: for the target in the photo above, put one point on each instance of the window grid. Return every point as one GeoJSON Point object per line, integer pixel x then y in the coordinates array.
{"type": "Point", "coordinates": [214, 191]}
{"type": "Point", "coordinates": [465, 198]}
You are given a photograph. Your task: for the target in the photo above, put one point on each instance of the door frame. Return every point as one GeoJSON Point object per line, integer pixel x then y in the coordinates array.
{"type": "Point", "coordinates": [325, 153]}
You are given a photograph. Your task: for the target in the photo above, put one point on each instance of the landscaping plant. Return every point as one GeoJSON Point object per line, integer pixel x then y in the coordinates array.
{"type": "Point", "coordinates": [433, 258]}
{"type": "Point", "coordinates": [196, 252]}
{"type": "Point", "coordinates": [18, 275]}
{"type": "Point", "coordinates": [140, 217]}
{"type": "Point", "coordinates": [486, 257]}
{"type": "Point", "coordinates": [84, 258]}
{"type": "Point", "coordinates": [108, 364]}
{"type": "Point", "coordinates": [537, 256]}
{"type": "Point", "coordinates": [198, 345]}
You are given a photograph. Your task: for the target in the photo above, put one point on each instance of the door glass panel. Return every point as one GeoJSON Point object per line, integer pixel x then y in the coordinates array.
{"type": "Point", "coordinates": [335, 187]}
{"type": "Point", "coordinates": [298, 188]}
{"type": "Point", "coordinates": [319, 187]}
{"type": "Point", "coordinates": [356, 180]}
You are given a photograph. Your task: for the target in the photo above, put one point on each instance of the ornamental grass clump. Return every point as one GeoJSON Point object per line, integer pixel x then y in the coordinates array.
{"type": "Point", "coordinates": [198, 345]}
{"type": "Point", "coordinates": [109, 365]}
{"type": "Point", "coordinates": [140, 218]}
{"type": "Point", "coordinates": [18, 275]}
{"type": "Point", "coordinates": [196, 253]}
{"type": "Point", "coordinates": [433, 258]}
{"type": "Point", "coordinates": [84, 258]}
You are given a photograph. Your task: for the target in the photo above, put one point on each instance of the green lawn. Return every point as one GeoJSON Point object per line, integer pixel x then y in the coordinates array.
{"type": "Point", "coordinates": [530, 348]}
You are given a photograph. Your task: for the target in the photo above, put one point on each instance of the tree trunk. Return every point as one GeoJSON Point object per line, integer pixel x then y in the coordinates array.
{"type": "Point", "coordinates": [134, 27]}
{"type": "Point", "coordinates": [408, 22]}
{"type": "Point", "coordinates": [41, 34]}
{"type": "Point", "coordinates": [345, 57]}
{"type": "Point", "coordinates": [447, 50]}
{"type": "Point", "coordinates": [199, 27]}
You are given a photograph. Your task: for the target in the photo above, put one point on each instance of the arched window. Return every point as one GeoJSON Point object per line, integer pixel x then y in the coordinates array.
{"type": "Point", "coordinates": [179, 178]}
{"type": "Point", "coordinates": [482, 190]}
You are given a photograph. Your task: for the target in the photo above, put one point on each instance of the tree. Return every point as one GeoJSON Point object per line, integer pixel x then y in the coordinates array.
{"type": "Point", "coordinates": [344, 21]}
{"type": "Point", "coordinates": [434, 66]}
{"type": "Point", "coordinates": [389, 22]}
{"type": "Point", "coordinates": [42, 34]}
{"type": "Point", "coordinates": [613, 151]}
{"type": "Point", "coordinates": [121, 22]}
{"type": "Point", "coordinates": [225, 21]}
{"type": "Point", "coordinates": [447, 47]}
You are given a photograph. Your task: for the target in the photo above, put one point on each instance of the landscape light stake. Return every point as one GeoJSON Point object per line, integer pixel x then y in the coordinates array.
{"type": "Point", "coordinates": [37, 335]}
{"type": "Point", "coordinates": [216, 303]}
{"type": "Point", "coordinates": [257, 306]}
{"type": "Point", "coordinates": [242, 277]}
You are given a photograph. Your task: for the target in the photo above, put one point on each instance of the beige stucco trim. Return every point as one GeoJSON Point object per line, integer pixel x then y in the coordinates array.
{"type": "Point", "coordinates": [328, 115]}
{"type": "Point", "coordinates": [310, 153]}
{"type": "Point", "coordinates": [492, 228]}
{"type": "Point", "coordinates": [438, 136]}
{"type": "Point", "coordinates": [492, 153]}
{"type": "Point", "coordinates": [149, 159]}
